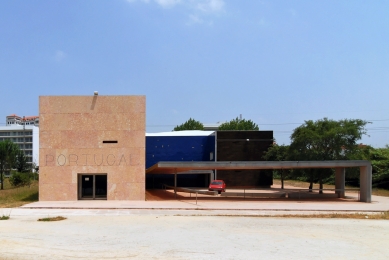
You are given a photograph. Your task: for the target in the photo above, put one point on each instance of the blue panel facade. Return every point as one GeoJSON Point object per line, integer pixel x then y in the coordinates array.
{"type": "Point", "coordinates": [179, 148]}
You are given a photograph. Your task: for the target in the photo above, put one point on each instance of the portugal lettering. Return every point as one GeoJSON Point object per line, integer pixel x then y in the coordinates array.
{"type": "Point", "coordinates": [88, 160]}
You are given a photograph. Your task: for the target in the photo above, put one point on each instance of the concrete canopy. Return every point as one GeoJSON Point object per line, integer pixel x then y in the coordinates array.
{"type": "Point", "coordinates": [339, 166]}
{"type": "Point", "coordinates": [177, 167]}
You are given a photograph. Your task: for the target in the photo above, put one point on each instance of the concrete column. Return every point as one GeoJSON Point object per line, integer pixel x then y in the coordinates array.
{"type": "Point", "coordinates": [340, 179]}
{"type": "Point", "coordinates": [365, 182]}
{"type": "Point", "coordinates": [175, 183]}
{"type": "Point", "coordinates": [215, 178]}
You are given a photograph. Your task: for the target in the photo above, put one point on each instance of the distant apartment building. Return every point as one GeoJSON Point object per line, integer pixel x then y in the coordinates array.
{"type": "Point", "coordinates": [23, 131]}
{"type": "Point", "coordinates": [26, 120]}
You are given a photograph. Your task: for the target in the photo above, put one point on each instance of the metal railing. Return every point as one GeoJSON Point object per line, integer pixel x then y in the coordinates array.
{"type": "Point", "coordinates": [188, 190]}
{"type": "Point", "coordinates": [247, 194]}
{"type": "Point", "coordinates": [287, 191]}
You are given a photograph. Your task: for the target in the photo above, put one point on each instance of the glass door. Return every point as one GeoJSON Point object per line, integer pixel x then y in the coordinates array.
{"type": "Point", "coordinates": [100, 186]}
{"type": "Point", "coordinates": [92, 186]}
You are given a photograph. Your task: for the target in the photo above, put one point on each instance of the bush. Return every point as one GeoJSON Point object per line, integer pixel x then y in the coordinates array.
{"type": "Point", "coordinates": [19, 179]}
{"type": "Point", "coordinates": [34, 176]}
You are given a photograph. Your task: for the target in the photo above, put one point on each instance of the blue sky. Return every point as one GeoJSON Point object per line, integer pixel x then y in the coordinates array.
{"type": "Point", "coordinates": [277, 63]}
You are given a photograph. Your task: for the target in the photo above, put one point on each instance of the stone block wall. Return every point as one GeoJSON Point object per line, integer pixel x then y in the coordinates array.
{"type": "Point", "coordinates": [92, 135]}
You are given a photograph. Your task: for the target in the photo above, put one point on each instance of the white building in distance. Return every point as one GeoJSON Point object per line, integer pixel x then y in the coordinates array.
{"type": "Point", "coordinates": [23, 131]}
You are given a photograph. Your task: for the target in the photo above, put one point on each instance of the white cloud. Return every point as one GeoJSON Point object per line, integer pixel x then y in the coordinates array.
{"type": "Point", "coordinates": [131, 1]}
{"type": "Point", "coordinates": [202, 10]}
{"type": "Point", "coordinates": [167, 3]}
{"type": "Point", "coordinates": [198, 9]}
{"type": "Point", "coordinates": [193, 19]}
{"type": "Point", "coordinates": [59, 56]}
{"type": "Point", "coordinates": [210, 5]}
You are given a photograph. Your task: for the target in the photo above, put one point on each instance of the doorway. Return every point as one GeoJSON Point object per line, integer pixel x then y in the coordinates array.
{"type": "Point", "coordinates": [92, 186]}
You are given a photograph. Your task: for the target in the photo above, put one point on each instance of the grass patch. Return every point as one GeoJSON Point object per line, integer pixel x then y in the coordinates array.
{"type": "Point", "coordinates": [59, 218]}
{"type": "Point", "coordinates": [303, 184]}
{"type": "Point", "coordinates": [4, 217]}
{"type": "Point", "coordinates": [12, 197]}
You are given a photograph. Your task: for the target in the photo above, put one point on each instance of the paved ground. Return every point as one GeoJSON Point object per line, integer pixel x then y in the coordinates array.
{"type": "Point", "coordinates": [181, 229]}
{"type": "Point", "coordinates": [156, 235]}
{"type": "Point", "coordinates": [185, 201]}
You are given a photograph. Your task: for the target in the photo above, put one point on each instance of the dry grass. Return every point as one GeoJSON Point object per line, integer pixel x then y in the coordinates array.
{"type": "Point", "coordinates": [305, 185]}
{"type": "Point", "coordinates": [59, 218]}
{"type": "Point", "coordinates": [302, 184]}
{"type": "Point", "coordinates": [380, 192]}
{"type": "Point", "coordinates": [12, 197]}
{"type": "Point", "coordinates": [380, 216]}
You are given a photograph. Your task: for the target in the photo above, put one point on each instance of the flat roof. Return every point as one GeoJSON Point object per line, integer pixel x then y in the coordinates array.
{"type": "Point", "coordinates": [17, 127]}
{"type": "Point", "coordinates": [183, 133]}
{"type": "Point", "coordinates": [181, 167]}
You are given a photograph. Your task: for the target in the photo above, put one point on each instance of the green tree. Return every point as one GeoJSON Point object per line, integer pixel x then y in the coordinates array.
{"type": "Point", "coordinates": [21, 164]}
{"type": "Point", "coordinates": [239, 124]}
{"type": "Point", "coordinates": [191, 124]}
{"type": "Point", "coordinates": [380, 162]}
{"type": "Point", "coordinates": [278, 153]}
{"type": "Point", "coordinates": [362, 152]}
{"type": "Point", "coordinates": [8, 157]}
{"type": "Point", "coordinates": [326, 139]}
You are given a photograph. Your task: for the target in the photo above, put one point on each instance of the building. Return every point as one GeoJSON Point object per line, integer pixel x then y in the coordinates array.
{"type": "Point", "coordinates": [26, 120]}
{"type": "Point", "coordinates": [244, 146]}
{"type": "Point", "coordinates": [193, 145]}
{"type": "Point", "coordinates": [205, 146]}
{"type": "Point", "coordinates": [92, 147]}
{"type": "Point", "coordinates": [212, 127]}
{"type": "Point", "coordinates": [26, 136]}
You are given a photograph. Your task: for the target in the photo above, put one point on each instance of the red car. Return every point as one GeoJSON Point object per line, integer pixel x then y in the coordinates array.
{"type": "Point", "coordinates": [217, 185]}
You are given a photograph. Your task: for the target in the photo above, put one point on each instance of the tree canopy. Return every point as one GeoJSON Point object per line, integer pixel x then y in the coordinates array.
{"type": "Point", "coordinates": [21, 164]}
{"type": "Point", "coordinates": [327, 139]}
{"type": "Point", "coordinates": [278, 153]}
{"type": "Point", "coordinates": [191, 124]}
{"type": "Point", "coordinates": [380, 162]}
{"type": "Point", "coordinates": [8, 158]}
{"type": "Point", "coordinates": [238, 124]}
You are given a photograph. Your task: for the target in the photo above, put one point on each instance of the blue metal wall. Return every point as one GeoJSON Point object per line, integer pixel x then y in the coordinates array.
{"type": "Point", "coordinates": [179, 148]}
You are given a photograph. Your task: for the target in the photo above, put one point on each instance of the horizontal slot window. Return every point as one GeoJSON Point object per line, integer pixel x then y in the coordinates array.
{"type": "Point", "coordinates": [110, 142]}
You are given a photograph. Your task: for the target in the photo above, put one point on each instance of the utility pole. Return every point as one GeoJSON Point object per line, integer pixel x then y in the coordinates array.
{"type": "Point", "coordinates": [24, 135]}
{"type": "Point", "coordinates": [24, 144]}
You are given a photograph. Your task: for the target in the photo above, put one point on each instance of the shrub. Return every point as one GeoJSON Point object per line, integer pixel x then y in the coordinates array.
{"type": "Point", "coordinates": [34, 176]}
{"type": "Point", "coordinates": [19, 179]}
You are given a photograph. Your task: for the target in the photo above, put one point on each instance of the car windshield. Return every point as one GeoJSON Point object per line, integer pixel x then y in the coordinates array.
{"type": "Point", "coordinates": [217, 183]}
